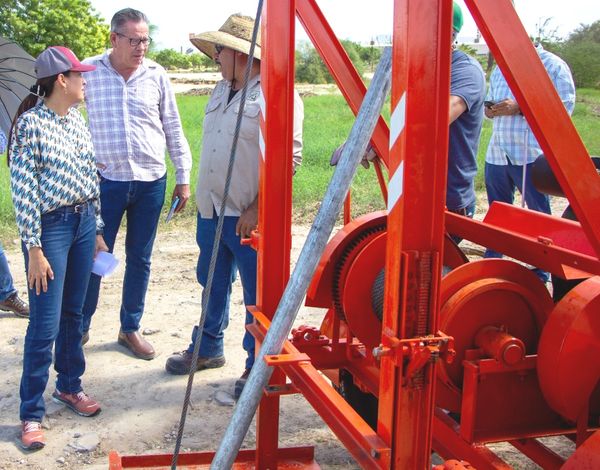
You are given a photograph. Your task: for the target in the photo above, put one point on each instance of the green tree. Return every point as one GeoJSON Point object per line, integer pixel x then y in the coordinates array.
{"type": "Point", "coordinates": [370, 55]}
{"type": "Point", "coordinates": [170, 59]}
{"type": "Point", "coordinates": [546, 32]}
{"type": "Point", "coordinates": [201, 61]}
{"type": "Point", "coordinates": [309, 65]}
{"type": "Point", "coordinates": [152, 32]}
{"type": "Point", "coordinates": [582, 52]}
{"type": "Point", "coordinates": [310, 68]}
{"type": "Point", "coordinates": [585, 33]}
{"type": "Point", "coordinates": [584, 60]}
{"type": "Point", "coordinates": [37, 24]}
{"type": "Point", "coordinates": [353, 49]}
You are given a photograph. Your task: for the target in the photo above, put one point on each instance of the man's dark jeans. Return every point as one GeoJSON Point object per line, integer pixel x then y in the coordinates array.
{"type": "Point", "coordinates": [232, 256]}
{"type": "Point", "coordinates": [501, 182]}
{"type": "Point", "coordinates": [142, 201]}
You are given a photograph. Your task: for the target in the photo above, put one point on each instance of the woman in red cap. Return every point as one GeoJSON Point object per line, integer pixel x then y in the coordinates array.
{"type": "Point", "coordinates": [55, 193]}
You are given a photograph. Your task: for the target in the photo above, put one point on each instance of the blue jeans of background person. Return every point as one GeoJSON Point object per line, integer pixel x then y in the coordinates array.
{"type": "Point", "coordinates": [142, 201]}
{"type": "Point", "coordinates": [6, 281]}
{"type": "Point", "coordinates": [68, 243]}
{"type": "Point", "coordinates": [232, 255]}
{"type": "Point", "coordinates": [501, 182]}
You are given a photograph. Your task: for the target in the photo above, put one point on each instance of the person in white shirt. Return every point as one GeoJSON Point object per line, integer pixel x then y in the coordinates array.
{"type": "Point", "coordinates": [133, 117]}
{"type": "Point", "coordinates": [230, 47]}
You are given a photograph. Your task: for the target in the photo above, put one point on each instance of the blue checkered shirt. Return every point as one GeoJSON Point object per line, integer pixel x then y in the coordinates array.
{"type": "Point", "coordinates": [512, 138]}
{"type": "Point", "coordinates": [133, 121]}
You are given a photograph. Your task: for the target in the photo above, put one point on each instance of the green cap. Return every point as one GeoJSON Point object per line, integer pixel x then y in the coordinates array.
{"type": "Point", "coordinates": [457, 17]}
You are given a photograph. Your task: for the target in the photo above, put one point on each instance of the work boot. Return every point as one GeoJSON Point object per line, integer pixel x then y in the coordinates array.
{"type": "Point", "coordinates": [16, 305]}
{"type": "Point", "coordinates": [79, 402]}
{"type": "Point", "coordinates": [32, 436]}
{"type": "Point", "coordinates": [180, 363]}
{"type": "Point", "coordinates": [136, 343]}
{"type": "Point", "coordinates": [240, 384]}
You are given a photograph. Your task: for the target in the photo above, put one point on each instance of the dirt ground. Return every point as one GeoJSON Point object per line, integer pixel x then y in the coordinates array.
{"type": "Point", "coordinates": [141, 402]}
{"type": "Point", "coordinates": [203, 84]}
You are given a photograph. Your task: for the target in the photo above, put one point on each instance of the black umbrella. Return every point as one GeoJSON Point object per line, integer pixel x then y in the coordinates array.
{"type": "Point", "coordinates": [17, 75]}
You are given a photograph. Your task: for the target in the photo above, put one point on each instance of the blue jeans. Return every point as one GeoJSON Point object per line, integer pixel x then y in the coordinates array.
{"type": "Point", "coordinates": [501, 182]}
{"type": "Point", "coordinates": [232, 256]}
{"type": "Point", "coordinates": [6, 281]}
{"type": "Point", "coordinates": [142, 201]}
{"type": "Point", "coordinates": [68, 243]}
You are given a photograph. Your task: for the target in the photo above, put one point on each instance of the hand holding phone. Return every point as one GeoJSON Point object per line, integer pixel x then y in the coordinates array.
{"type": "Point", "coordinates": [172, 209]}
{"type": "Point", "coordinates": [489, 104]}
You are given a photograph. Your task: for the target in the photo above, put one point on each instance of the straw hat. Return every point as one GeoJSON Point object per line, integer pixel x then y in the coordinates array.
{"type": "Point", "coordinates": [236, 34]}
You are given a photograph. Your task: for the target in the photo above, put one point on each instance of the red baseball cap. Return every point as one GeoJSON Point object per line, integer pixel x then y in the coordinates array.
{"type": "Point", "coordinates": [59, 59]}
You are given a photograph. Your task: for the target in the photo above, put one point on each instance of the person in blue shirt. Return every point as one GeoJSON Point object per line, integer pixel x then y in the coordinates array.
{"type": "Point", "coordinates": [9, 297]}
{"type": "Point", "coordinates": [513, 148]}
{"type": "Point", "coordinates": [467, 92]}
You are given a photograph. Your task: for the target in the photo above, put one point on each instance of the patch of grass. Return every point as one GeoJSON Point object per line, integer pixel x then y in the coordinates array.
{"type": "Point", "coordinates": [484, 140]}
{"type": "Point", "coordinates": [327, 124]}
{"type": "Point", "coordinates": [191, 111]}
{"type": "Point", "coordinates": [587, 118]}
{"type": "Point", "coordinates": [588, 94]}
{"type": "Point", "coordinates": [7, 215]}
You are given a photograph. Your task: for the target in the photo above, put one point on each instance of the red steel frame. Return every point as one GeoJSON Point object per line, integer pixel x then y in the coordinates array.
{"type": "Point", "coordinates": [417, 163]}
{"type": "Point", "coordinates": [541, 105]}
{"type": "Point", "coordinates": [275, 203]}
{"type": "Point", "coordinates": [415, 153]}
{"type": "Point", "coordinates": [408, 404]}
{"type": "Point", "coordinates": [419, 146]}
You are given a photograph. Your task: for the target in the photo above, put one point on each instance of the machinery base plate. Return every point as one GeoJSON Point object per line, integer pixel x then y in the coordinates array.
{"type": "Point", "coordinates": [288, 458]}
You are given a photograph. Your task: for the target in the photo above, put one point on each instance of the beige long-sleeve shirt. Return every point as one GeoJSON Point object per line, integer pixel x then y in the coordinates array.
{"type": "Point", "coordinates": [218, 130]}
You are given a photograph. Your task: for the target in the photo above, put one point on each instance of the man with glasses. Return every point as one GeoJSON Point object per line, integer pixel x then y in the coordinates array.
{"type": "Point", "coordinates": [133, 117]}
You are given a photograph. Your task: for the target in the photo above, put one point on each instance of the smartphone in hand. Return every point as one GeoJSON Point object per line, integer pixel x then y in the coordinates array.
{"type": "Point", "coordinates": [172, 209]}
{"type": "Point", "coordinates": [489, 104]}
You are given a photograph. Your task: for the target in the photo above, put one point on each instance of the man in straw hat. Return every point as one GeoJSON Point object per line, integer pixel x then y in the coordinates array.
{"type": "Point", "coordinates": [133, 119]}
{"type": "Point", "coordinates": [230, 48]}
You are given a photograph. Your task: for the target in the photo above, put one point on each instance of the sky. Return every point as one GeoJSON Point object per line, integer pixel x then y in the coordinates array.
{"type": "Point", "coordinates": [358, 20]}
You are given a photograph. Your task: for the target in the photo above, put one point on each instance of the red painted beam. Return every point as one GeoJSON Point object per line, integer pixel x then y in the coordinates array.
{"type": "Point", "coordinates": [533, 242]}
{"type": "Point", "coordinates": [539, 102]}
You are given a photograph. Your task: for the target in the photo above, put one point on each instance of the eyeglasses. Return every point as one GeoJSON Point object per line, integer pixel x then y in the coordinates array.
{"type": "Point", "coordinates": [219, 48]}
{"type": "Point", "coordinates": [135, 42]}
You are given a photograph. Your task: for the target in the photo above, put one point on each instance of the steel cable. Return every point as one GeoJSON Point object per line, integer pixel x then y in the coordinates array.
{"type": "Point", "coordinates": [217, 240]}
